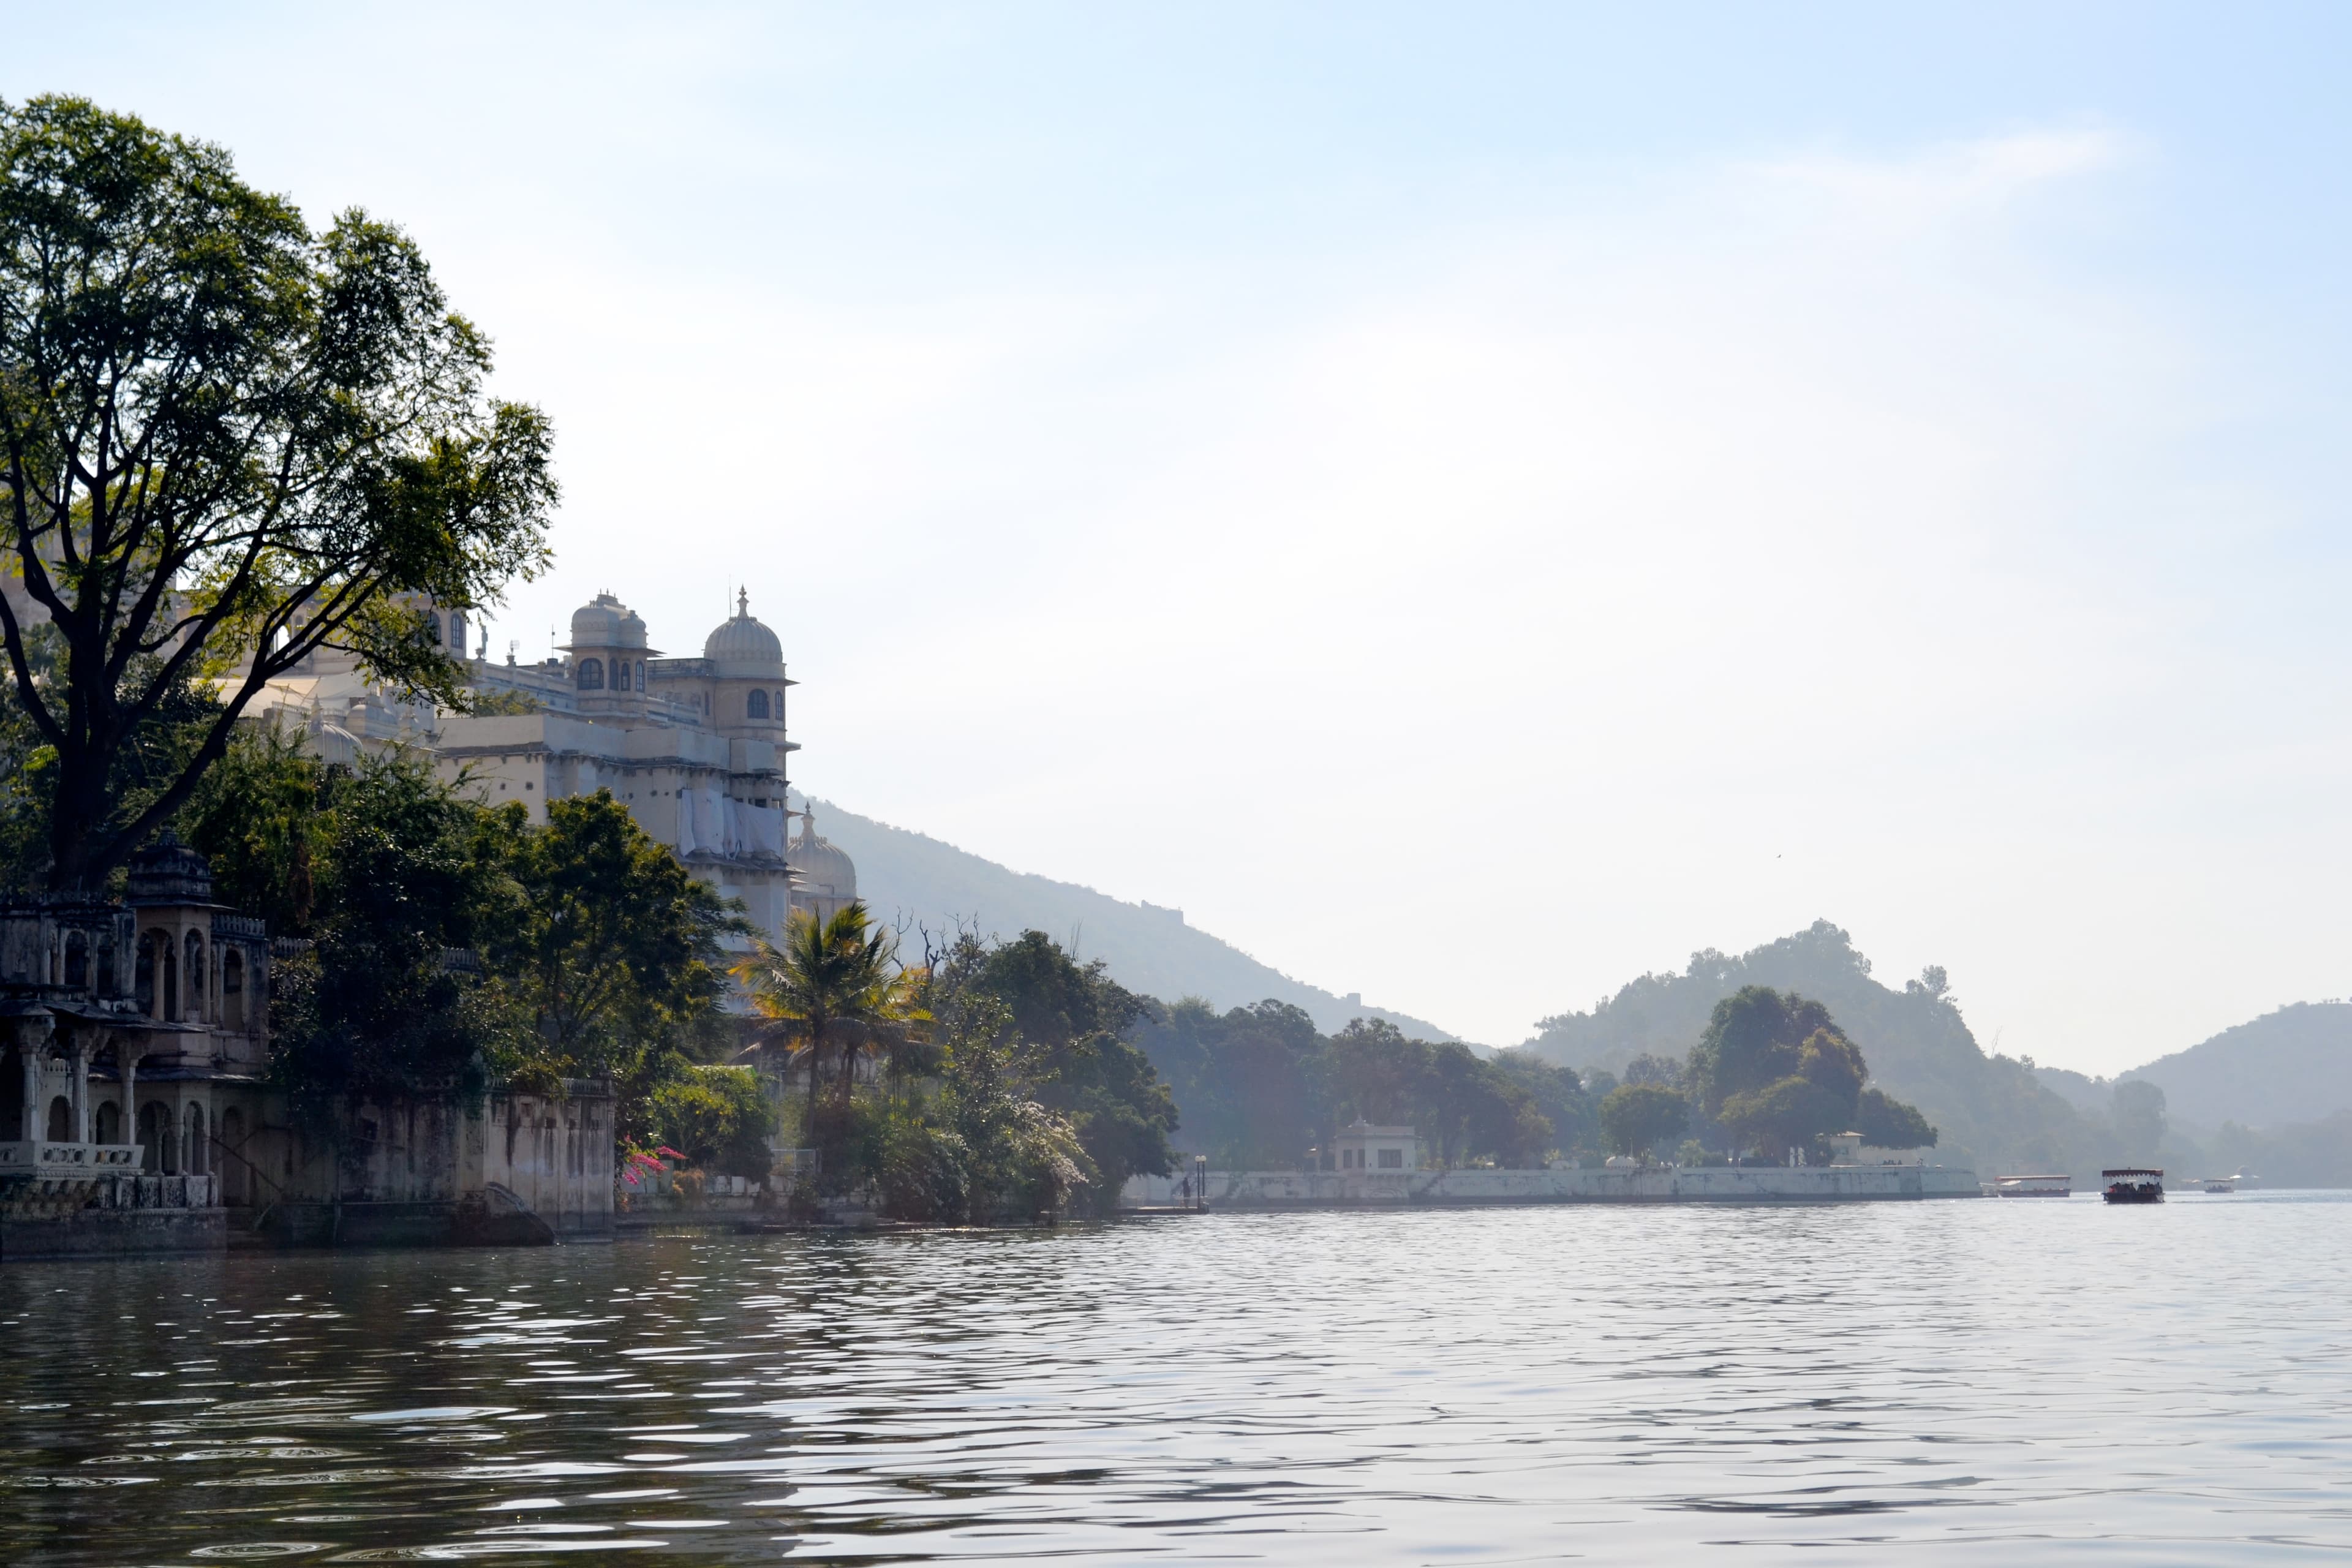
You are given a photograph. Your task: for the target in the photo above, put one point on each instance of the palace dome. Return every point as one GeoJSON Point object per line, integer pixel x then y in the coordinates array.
{"type": "Point", "coordinates": [605, 622]}
{"type": "Point", "coordinates": [742, 639]}
{"type": "Point", "coordinates": [819, 869]}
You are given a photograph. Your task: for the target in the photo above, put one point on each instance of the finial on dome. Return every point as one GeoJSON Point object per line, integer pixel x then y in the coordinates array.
{"type": "Point", "coordinates": [742, 602]}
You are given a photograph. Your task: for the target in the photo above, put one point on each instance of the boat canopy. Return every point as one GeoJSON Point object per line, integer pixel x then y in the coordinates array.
{"type": "Point", "coordinates": [2129, 1171]}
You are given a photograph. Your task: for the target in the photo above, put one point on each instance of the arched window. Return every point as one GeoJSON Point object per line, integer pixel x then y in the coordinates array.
{"type": "Point", "coordinates": [195, 1010]}
{"type": "Point", "coordinates": [192, 1144]}
{"type": "Point", "coordinates": [167, 983]}
{"type": "Point", "coordinates": [779, 707]}
{"type": "Point", "coordinates": [756, 705]}
{"type": "Point", "coordinates": [457, 635]}
{"type": "Point", "coordinates": [109, 1123]}
{"type": "Point", "coordinates": [433, 628]}
{"type": "Point", "coordinates": [233, 989]}
{"type": "Point", "coordinates": [61, 1120]}
{"type": "Point", "coordinates": [77, 961]}
{"type": "Point", "coordinates": [106, 966]}
{"type": "Point", "coordinates": [592, 675]}
{"type": "Point", "coordinates": [620, 675]}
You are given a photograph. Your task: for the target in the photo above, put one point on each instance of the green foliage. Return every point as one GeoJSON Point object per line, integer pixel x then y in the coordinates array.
{"type": "Point", "coordinates": [1557, 1096]}
{"type": "Point", "coordinates": [592, 952]}
{"type": "Point", "coordinates": [1637, 1117]}
{"type": "Point", "coordinates": [1461, 1106]}
{"type": "Point", "coordinates": [1258, 1086]}
{"type": "Point", "coordinates": [607, 941]}
{"type": "Point", "coordinates": [261, 818]}
{"type": "Point", "coordinates": [1775, 1073]}
{"type": "Point", "coordinates": [1991, 1111]}
{"type": "Point", "coordinates": [834, 986]}
{"type": "Point", "coordinates": [1888, 1123]}
{"type": "Point", "coordinates": [718, 1117]}
{"type": "Point", "coordinates": [1755, 1039]}
{"type": "Point", "coordinates": [150, 758]}
{"type": "Point", "coordinates": [225, 442]}
{"type": "Point", "coordinates": [375, 1009]}
{"type": "Point", "coordinates": [1060, 1031]}
{"type": "Point", "coordinates": [1020, 1157]}
{"type": "Point", "coordinates": [1249, 1082]}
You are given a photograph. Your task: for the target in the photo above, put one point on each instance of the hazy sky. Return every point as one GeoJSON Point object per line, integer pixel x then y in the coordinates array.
{"type": "Point", "coordinates": [1472, 502]}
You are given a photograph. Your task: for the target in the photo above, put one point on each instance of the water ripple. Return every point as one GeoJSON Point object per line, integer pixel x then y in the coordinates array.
{"type": "Point", "coordinates": [2041, 1382]}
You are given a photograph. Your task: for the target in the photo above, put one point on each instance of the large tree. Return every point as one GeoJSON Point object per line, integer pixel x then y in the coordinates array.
{"type": "Point", "coordinates": [227, 442]}
{"type": "Point", "coordinates": [1775, 1071]}
{"type": "Point", "coordinates": [1637, 1117]}
{"type": "Point", "coordinates": [611, 946]}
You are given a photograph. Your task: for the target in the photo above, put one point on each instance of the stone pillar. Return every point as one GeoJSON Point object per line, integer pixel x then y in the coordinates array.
{"type": "Point", "coordinates": [127, 1054]}
{"type": "Point", "coordinates": [78, 1050]}
{"type": "Point", "coordinates": [32, 1050]}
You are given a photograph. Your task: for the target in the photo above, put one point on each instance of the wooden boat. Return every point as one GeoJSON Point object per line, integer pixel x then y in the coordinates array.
{"type": "Point", "coordinates": [2031, 1186]}
{"type": "Point", "coordinates": [2134, 1184]}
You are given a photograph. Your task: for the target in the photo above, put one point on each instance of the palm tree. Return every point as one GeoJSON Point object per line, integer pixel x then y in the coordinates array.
{"type": "Point", "coordinates": [832, 980]}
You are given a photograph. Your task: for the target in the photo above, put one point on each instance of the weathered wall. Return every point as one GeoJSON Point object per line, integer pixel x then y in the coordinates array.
{"type": "Point", "coordinates": [111, 1215]}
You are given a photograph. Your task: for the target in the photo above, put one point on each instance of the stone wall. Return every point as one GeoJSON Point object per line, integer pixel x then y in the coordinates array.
{"type": "Point", "coordinates": [109, 1215]}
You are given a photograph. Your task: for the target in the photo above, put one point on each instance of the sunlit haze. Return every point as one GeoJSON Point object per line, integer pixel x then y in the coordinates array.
{"type": "Point", "coordinates": [1469, 503]}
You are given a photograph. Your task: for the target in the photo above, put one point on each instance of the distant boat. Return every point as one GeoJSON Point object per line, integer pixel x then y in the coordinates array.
{"type": "Point", "coordinates": [2221, 1184]}
{"type": "Point", "coordinates": [2133, 1185]}
{"type": "Point", "coordinates": [2031, 1186]}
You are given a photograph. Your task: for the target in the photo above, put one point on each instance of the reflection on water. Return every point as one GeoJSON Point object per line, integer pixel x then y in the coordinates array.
{"type": "Point", "coordinates": [1904, 1381]}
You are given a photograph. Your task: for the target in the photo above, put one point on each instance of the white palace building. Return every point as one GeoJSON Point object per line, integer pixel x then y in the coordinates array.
{"type": "Point", "coordinates": [695, 748]}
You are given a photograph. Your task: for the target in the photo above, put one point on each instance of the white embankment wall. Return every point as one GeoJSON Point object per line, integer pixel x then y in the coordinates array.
{"type": "Point", "coordinates": [1657, 1184]}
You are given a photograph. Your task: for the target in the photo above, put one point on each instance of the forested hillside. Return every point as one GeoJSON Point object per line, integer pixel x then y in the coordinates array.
{"type": "Point", "coordinates": [1990, 1110]}
{"type": "Point", "coordinates": [2291, 1065]}
{"type": "Point", "coordinates": [911, 878]}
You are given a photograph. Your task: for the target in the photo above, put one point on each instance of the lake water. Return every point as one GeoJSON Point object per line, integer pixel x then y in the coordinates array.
{"type": "Point", "coordinates": [2011, 1382]}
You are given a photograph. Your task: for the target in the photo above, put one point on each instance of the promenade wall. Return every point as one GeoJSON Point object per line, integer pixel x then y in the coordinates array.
{"type": "Point", "coordinates": [1656, 1184]}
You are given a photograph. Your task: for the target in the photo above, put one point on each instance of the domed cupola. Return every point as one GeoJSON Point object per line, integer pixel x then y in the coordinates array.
{"type": "Point", "coordinates": [743, 640]}
{"type": "Point", "coordinates": [603, 622]}
{"type": "Point", "coordinates": [168, 872]}
{"type": "Point", "coordinates": [823, 877]}
{"type": "Point", "coordinates": [608, 656]}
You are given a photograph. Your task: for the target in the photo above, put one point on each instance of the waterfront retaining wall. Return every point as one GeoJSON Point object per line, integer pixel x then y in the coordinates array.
{"type": "Point", "coordinates": [1656, 1184]}
{"type": "Point", "coordinates": [109, 1215]}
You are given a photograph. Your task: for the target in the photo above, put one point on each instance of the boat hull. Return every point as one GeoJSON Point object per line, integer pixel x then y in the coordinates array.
{"type": "Point", "coordinates": [2133, 1194]}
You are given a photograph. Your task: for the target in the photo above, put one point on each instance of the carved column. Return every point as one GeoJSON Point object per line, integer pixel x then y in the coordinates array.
{"type": "Point", "coordinates": [32, 1051]}
{"type": "Point", "coordinates": [127, 1054]}
{"type": "Point", "coordinates": [78, 1048]}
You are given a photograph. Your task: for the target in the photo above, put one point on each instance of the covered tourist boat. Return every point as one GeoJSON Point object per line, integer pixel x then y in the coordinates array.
{"type": "Point", "coordinates": [2133, 1186]}
{"type": "Point", "coordinates": [2031, 1186]}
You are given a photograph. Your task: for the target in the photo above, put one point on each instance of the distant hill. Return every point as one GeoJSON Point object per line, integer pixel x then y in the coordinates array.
{"type": "Point", "coordinates": [2089, 1095]}
{"type": "Point", "coordinates": [909, 877]}
{"type": "Point", "coordinates": [2291, 1065]}
{"type": "Point", "coordinates": [1991, 1112]}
